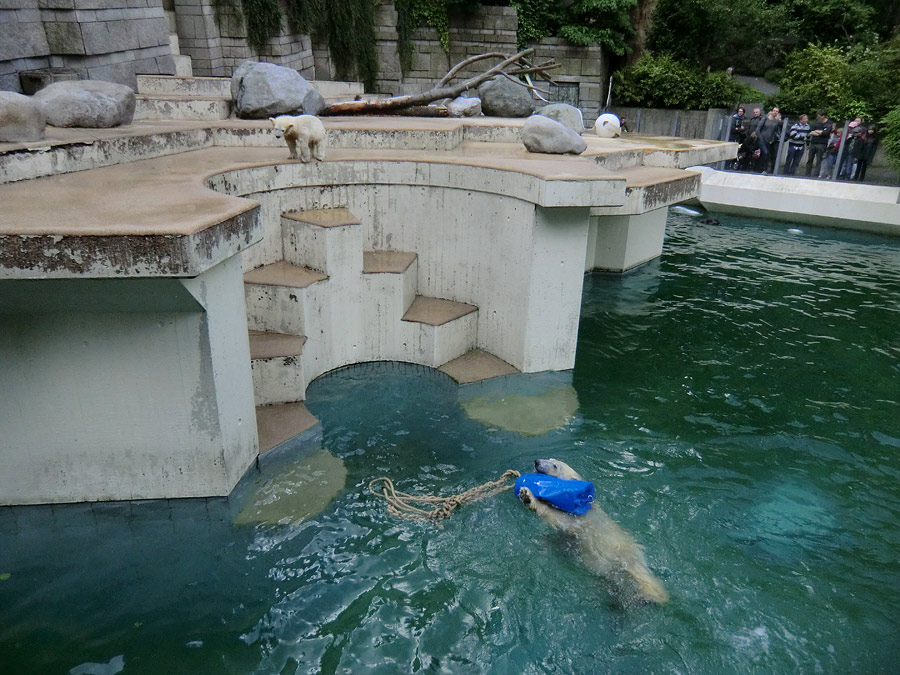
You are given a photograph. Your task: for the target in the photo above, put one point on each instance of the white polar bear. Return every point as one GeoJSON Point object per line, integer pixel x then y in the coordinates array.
{"type": "Point", "coordinates": [308, 130]}
{"type": "Point", "coordinates": [606, 548]}
{"type": "Point", "coordinates": [608, 126]}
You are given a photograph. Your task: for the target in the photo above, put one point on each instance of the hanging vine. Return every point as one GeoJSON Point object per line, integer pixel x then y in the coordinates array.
{"type": "Point", "coordinates": [347, 25]}
{"type": "Point", "coordinates": [413, 14]}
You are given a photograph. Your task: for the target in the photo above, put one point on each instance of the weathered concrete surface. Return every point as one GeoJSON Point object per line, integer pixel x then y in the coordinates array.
{"type": "Point", "coordinates": [22, 119]}
{"type": "Point", "coordinates": [482, 223]}
{"type": "Point", "coordinates": [853, 206]}
{"type": "Point", "coordinates": [124, 388]}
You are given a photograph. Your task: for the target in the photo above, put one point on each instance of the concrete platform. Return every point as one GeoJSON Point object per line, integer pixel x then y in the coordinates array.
{"type": "Point", "coordinates": [475, 366]}
{"type": "Point", "coordinates": [277, 424]}
{"type": "Point", "coordinates": [436, 311]}
{"type": "Point", "coordinates": [387, 262]}
{"type": "Point", "coordinates": [283, 273]}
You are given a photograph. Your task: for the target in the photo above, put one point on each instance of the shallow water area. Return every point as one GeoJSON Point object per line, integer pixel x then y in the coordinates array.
{"type": "Point", "coordinates": [737, 409]}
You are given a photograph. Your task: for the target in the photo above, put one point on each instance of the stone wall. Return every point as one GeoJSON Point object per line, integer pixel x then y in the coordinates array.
{"type": "Point", "coordinates": [217, 48]}
{"type": "Point", "coordinates": [493, 29]}
{"type": "Point", "coordinates": [91, 39]}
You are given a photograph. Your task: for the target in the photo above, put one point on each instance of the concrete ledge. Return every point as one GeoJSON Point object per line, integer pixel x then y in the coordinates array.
{"type": "Point", "coordinates": [852, 206]}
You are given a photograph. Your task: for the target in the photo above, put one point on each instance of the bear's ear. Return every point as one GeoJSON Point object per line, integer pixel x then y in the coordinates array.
{"type": "Point", "coordinates": [272, 120]}
{"type": "Point", "coordinates": [288, 128]}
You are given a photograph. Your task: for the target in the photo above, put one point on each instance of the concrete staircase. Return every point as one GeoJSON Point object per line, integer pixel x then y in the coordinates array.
{"type": "Point", "coordinates": [331, 303]}
{"type": "Point", "coordinates": [168, 97]}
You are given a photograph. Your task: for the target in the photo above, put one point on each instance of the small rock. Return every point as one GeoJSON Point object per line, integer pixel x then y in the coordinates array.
{"type": "Point", "coordinates": [464, 106]}
{"type": "Point", "coordinates": [564, 114]}
{"type": "Point", "coordinates": [541, 134]}
{"type": "Point", "coordinates": [261, 90]}
{"type": "Point", "coordinates": [21, 118]}
{"type": "Point", "coordinates": [607, 126]}
{"type": "Point", "coordinates": [93, 104]}
{"type": "Point", "coordinates": [502, 98]}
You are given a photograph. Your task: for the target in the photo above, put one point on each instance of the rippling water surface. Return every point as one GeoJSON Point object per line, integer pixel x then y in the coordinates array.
{"type": "Point", "coordinates": [737, 404]}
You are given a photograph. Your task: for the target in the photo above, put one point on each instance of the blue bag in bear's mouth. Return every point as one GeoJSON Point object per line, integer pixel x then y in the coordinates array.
{"type": "Point", "coordinates": [573, 496]}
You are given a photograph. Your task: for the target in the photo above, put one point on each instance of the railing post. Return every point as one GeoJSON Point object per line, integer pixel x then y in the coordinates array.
{"type": "Point", "coordinates": [637, 122]}
{"type": "Point", "coordinates": [784, 127]}
{"type": "Point", "coordinates": [840, 154]}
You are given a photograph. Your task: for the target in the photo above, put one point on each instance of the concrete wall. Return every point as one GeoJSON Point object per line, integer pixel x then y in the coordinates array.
{"type": "Point", "coordinates": [97, 39]}
{"type": "Point", "coordinates": [125, 389]}
{"type": "Point", "coordinates": [682, 123]}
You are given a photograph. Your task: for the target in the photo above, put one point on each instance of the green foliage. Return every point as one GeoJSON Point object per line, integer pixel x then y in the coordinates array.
{"type": "Point", "coordinates": [263, 20]}
{"type": "Point", "coordinates": [890, 136]}
{"type": "Point", "coordinates": [843, 22]}
{"type": "Point", "coordinates": [751, 35]}
{"type": "Point", "coordinates": [599, 22]}
{"type": "Point", "coordinates": [412, 14]}
{"type": "Point", "coordinates": [537, 19]}
{"type": "Point", "coordinates": [875, 75]}
{"type": "Point", "coordinates": [228, 16]}
{"type": "Point", "coordinates": [306, 17]}
{"type": "Point", "coordinates": [351, 40]}
{"type": "Point", "coordinates": [820, 77]}
{"type": "Point", "coordinates": [663, 82]}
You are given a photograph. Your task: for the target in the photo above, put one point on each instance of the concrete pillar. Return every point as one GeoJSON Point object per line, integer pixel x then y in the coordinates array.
{"type": "Point", "coordinates": [618, 243]}
{"type": "Point", "coordinates": [124, 388]}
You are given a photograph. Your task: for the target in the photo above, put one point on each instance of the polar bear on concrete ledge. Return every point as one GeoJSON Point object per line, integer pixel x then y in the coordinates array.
{"type": "Point", "coordinates": [307, 130]}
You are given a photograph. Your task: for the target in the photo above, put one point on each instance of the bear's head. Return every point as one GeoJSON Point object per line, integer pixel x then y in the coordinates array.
{"type": "Point", "coordinates": [281, 126]}
{"type": "Point", "coordinates": [555, 467]}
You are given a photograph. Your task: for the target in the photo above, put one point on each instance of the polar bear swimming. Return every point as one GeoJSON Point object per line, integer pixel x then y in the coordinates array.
{"type": "Point", "coordinates": [308, 130]}
{"type": "Point", "coordinates": [605, 548]}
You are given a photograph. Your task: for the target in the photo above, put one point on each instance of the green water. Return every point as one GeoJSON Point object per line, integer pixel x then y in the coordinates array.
{"type": "Point", "coordinates": [738, 407]}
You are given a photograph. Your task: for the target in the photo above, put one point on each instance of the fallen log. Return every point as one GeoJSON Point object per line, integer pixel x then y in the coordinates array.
{"type": "Point", "coordinates": [404, 104]}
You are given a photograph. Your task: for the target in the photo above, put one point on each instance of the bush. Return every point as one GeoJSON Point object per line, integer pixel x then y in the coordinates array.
{"type": "Point", "coordinates": [890, 136]}
{"type": "Point", "coordinates": [663, 82]}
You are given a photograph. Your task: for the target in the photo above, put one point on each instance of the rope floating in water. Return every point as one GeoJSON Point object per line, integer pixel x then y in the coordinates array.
{"type": "Point", "coordinates": [400, 504]}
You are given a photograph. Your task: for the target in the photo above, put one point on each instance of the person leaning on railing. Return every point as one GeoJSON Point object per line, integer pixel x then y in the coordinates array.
{"type": "Point", "coordinates": [819, 134]}
{"type": "Point", "coordinates": [796, 145]}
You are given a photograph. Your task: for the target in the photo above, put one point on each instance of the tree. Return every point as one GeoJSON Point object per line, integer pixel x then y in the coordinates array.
{"type": "Point", "coordinates": [751, 36]}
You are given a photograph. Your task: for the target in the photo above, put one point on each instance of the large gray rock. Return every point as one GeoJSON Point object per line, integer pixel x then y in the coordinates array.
{"type": "Point", "coordinates": [464, 106]}
{"type": "Point", "coordinates": [87, 103]}
{"type": "Point", "coordinates": [541, 134]}
{"type": "Point", "coordinates": [502, 98]}
{"type": "Point", "coordinates": [21, 118]}
{"type": "Point", "coordinates": [564, 114]}
{"type": "Point", "coordinates": [260, 90]}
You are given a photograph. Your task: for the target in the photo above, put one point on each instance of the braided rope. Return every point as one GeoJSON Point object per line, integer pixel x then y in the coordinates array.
{"type": "Point", "coordinates": [400, 504]}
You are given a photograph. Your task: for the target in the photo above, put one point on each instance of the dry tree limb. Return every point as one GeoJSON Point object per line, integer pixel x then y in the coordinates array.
{"type": "Point", "coordinates": [442, 91]}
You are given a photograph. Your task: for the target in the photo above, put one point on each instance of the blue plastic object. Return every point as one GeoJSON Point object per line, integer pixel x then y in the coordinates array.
{"type": "Point", "coordinates": [573, 496]}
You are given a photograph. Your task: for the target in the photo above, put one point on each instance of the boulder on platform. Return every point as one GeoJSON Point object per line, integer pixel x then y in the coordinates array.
{"type": "Point", "coordinates": [93, 104]}
{"type": "Point", "coordinates": [464, 106]}
{"type": "Point", "coordinates": [261, 90]}
{"type": "Point", "coordinates": [541, 134]}
{"type": "Point", "coordinates": [21, 118]}
{"type": "Point", "coordinates": [502, 98]}
{"type": "Point", "coordinates": [564, 114]}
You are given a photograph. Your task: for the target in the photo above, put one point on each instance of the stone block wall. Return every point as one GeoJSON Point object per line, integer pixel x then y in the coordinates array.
{"type": "Point", "coordinates": [97, 39]}
{"type": "Point", "coordinates": [217, 48]}
{"type": "Point", "coordinates": [493, 29]}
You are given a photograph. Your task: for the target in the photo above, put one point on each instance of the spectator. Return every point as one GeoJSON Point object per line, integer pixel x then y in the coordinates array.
{"type": "Point", "coordinates": [769, 133]}
{"type": "Point", "coordinates": [736, 132]}
{"type": "Point", "coordinates": [623, 126]}
{"type": "Point", "coordinates": [868, 149]}
{"type": "Point", "coordinates": [748, 153]}
{"type": "Point", "coordinates": [831, 151]}
{"type": "Point", "coordinates": [819, 133]}
{"type": "Point", "coordinates": [848, 161]}
{"type": "Point", "coordinates": [796, 145]}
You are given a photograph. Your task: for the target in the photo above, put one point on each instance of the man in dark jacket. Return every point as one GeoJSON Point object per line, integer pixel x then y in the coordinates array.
{"type": "Point", "coordinates": [769, 132]}
{"type": "Point", "coordinates": [819, 133]}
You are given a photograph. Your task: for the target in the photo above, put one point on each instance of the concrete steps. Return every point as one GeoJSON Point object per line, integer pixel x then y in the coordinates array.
{"type": "Point", "coordinates": [277, 367]}
{"type": "Point", "coordinates": [277, 424]}
{"type": "Point", "coordinates": [355, 304]}
{"type": "Point", "coordinates": [441, 329]}
{"type": "Point", "coordinates": [176, 97]}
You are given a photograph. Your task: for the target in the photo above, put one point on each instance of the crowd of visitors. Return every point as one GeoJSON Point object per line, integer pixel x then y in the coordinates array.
{"type": "Point", "coordinates": [760, 137]}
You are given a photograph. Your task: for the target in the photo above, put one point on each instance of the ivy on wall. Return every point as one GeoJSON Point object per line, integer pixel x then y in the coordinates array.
{"type": "Point", "coordinates": [347, 25]}
{"type": "Point", "coordinates": [413, 14]}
